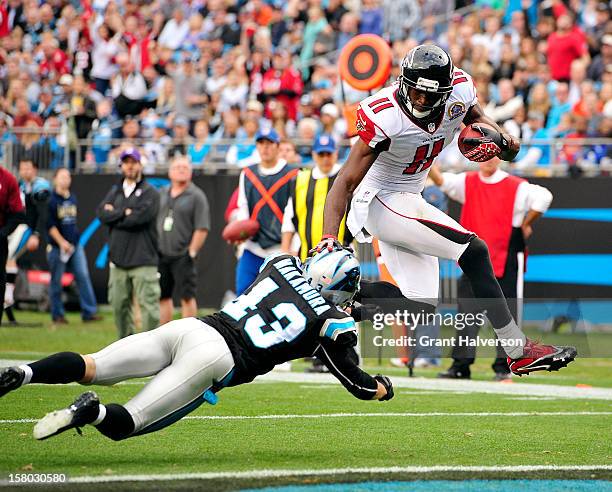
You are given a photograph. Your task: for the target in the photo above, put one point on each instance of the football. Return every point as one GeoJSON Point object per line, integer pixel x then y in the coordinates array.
{"type": "Point", "coordinates": [470, 132]}
{"type": "Point", "coordinates": [240, 230]}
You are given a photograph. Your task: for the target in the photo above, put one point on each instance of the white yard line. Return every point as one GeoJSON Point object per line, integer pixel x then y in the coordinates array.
{"type": "Point", "coordinates": [255, 474]}
{"type": "Point", "coordinates": [294, 416]}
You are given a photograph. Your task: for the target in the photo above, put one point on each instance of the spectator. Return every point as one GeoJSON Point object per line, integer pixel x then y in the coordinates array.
{"type": "Point", "coordinates": [166, 99]}
{"type": "Point", "coordinates": [282, 83]}
{"type": "Point", "coordinates": [82, 115]}
{"type": "Point", "coordinates": [306, 132]}
{"type": "Point", "coordinates": [565, 45]}
{"type": "Point", "coordinates": [156, 148]}
{"type": "Point", "coordinates": [180, 137]}
{"type": "Point", "coordinates": [508, 103]}
{"type": "Point", "coordinates": [191, 97]}
{"type": "Point", "coordinates": [65, 252]}
{"type": "Point", "coordinates": [234, 94]}
{"type": "Point", "coordinates": [399, 18]}
{"type": "Point", "coordinates": [105, 48]}
{"type": "Point", "coordinates": [12, 213]}
{"type": "Point", "coordinates": [36, 192]}
{"type": "Point", "coordinates": [198, 150]}
{"type": "Point", "coordinates": [349, 28]}
{"type": "Point", "coordinates": [332, 123]}
{"type": "Point", "coordinates": [101, 137]}
{"type": "Point", "coordinates": [129, 88]}
{"type": "Point", "coordinates": [578, 73]}
{"type": "Point", "coordinates": [175, 31]}
{"type": "Point", "coordinates": [598, 66]}
{"type": "Point", "coordinates": [130, 211]}
{"type": "Point", "coordinates": [287, 152]}
{"type": "Point", "coordinates": [183, 223]}
{"type": "Point", "coordinates": [560, 105]}
{"type": "Point", "coordinates": [271, 171]}
{"type": "Point", "coordinates": [539, 100]}
{"type": "Point", "coordinates": [316, 23]}
{"type": "Point", "coordinates": [371, 18]}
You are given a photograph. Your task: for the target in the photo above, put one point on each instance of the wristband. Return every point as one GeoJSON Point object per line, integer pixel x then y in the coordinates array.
{"type": "Point", "coordinates": [329, 236]}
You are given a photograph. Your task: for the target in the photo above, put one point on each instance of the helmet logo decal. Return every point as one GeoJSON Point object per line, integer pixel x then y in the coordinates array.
{"type": "Point", "coordinates": [427, 84]}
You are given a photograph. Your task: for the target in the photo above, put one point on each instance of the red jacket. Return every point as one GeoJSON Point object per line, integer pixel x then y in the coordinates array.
{"type": "Point", "coordinates": [287, 86]}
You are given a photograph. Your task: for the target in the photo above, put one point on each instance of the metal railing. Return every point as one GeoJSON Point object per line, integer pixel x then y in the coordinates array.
{"type": "Point", "coordinates": [52, 148]}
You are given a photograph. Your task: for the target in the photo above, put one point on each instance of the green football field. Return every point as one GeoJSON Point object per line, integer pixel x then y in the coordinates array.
{"type": "Point", "coordinates": [292, 428]}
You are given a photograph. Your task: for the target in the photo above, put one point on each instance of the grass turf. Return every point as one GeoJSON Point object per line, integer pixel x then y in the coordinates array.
{"type": "Point", "coordinates": [236, 445]}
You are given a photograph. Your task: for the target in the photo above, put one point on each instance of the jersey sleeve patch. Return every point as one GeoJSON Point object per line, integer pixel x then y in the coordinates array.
{"type": "Point", "coordinates": [333, 328]}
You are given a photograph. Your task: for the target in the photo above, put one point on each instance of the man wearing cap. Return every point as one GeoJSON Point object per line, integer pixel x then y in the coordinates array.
{"type": "Point", "coordinates": [304, 212]}
{"type": "Point", "coordinates": [180, 137]}
{"type": "Point", "coordinates": [130, 211]}
{"type": "Point", "coordinates": [500, 209]}
{"type": "Point", "coordinates": [263, 195]}
{"type": "Point", "coordinates": [603, 61]}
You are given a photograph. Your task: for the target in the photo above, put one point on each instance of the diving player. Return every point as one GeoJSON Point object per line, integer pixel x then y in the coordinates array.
{"type": "Point", "coordinates": [287, 313]}
{"type": "Point", "coordinates": [402, 128]}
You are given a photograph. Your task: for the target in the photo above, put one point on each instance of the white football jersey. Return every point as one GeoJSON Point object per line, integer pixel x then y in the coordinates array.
{"type": "Point", "coordinates": [412, 150]}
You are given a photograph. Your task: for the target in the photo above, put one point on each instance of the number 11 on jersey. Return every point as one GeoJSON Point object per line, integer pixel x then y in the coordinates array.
{"type": "Point", "coordinates": [424, 157]}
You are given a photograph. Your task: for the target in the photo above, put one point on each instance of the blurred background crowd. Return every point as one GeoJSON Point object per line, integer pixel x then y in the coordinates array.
{"type": "Point", "coordinates": [79, 81]}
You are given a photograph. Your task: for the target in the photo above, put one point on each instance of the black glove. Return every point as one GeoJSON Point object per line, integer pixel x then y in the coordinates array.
{"type": "Point", "coordinates": [491, 144]}
{"type": "Point", "coordinates": [328, 243]}
{"type": "Point", "coordinates": [386, 382]}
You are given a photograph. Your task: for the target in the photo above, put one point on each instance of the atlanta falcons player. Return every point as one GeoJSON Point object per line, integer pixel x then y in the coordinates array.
{"type": "Point", "coordinates": [402, 128]}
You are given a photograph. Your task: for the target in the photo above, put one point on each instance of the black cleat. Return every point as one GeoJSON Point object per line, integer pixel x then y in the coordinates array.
{"type": "Point", "coordinates": [10, 379]}
{"type": "Point", "coordinates": [83, 411]}
{"type": "Point", "coordinates": [454, 373]}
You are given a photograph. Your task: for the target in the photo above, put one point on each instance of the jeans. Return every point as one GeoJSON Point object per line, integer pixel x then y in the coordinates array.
{"type": "Point", "coordinates": [77, 264]}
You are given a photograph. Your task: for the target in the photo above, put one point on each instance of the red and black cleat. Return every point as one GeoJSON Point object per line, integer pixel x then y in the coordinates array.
{"type": "Point", "coordinates": [538, 357]}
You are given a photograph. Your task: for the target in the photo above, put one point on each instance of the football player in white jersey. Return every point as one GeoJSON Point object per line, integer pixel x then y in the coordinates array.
{"type": "Point", "coordinates": [402, 128]}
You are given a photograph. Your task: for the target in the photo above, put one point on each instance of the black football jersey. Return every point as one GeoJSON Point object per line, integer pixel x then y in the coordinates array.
{"type": "Point", "coordinates": [280, 317]}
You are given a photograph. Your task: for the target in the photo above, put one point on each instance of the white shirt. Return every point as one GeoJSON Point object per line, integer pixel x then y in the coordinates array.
{"type": "Point", "coordinates": [173, 34]}
{"type": "Point", "coordinates": [133, 86]}
{"type": "Point", "coordinates": [128, 188]}
{"type": "Point", "coordinates": [528, 196]}
{"type": "Point", "coordinates": [244, 213]}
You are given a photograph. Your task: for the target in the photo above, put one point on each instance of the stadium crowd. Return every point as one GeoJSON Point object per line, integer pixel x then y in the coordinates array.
{"type": "Point", "coordinates": [79, 78]}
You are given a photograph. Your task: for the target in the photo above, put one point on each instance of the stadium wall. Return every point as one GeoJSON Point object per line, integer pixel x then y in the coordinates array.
{"type": "Point", "coordinates": [570, 253]}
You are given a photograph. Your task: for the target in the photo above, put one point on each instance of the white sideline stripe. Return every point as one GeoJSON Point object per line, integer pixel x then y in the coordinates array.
{"type": "Point", "coordinates": [467, 386]}
{"type": "Point", "coordinates": [292, 416]}
{"type": "Point", "coordinates": [251, 474]}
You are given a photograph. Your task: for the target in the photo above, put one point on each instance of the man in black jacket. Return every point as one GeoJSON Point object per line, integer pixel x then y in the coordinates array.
{"type": "Point", "coordinates": [129, 210]}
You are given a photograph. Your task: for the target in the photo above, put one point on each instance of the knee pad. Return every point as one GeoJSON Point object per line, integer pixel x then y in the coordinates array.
{"type": "Point", "coordinates": [476, 253]}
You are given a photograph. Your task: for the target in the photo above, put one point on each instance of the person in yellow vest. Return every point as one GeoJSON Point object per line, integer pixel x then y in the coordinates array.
{"type": "Point", "coordinates": [303, 221]}
{"type": "Point", "coordinates": [303, 217]}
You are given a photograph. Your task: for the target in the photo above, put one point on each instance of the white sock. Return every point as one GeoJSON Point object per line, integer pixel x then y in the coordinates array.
{"type": "Point", "coordinates": [514, 337]}
{"type": "Point", "coordinates": [28, 374]}
{"type": "Point", "coordinates": [101, 415]}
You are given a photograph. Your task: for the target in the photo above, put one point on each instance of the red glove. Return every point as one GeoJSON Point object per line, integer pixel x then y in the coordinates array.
{"type": "Point", "coordinates": [491, 144]}
{"type": "Point", "coordinates": [329, 243]}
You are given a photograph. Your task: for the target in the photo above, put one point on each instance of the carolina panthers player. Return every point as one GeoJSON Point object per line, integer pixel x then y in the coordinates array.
{"type": "Point", "coordinates": [402, 128]}
{"type": "Point", "coordinates": [287, 313]}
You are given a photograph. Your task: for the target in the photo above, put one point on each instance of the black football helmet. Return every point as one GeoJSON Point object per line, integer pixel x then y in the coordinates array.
{"type": "Point", "coordinates": [429, 69]}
